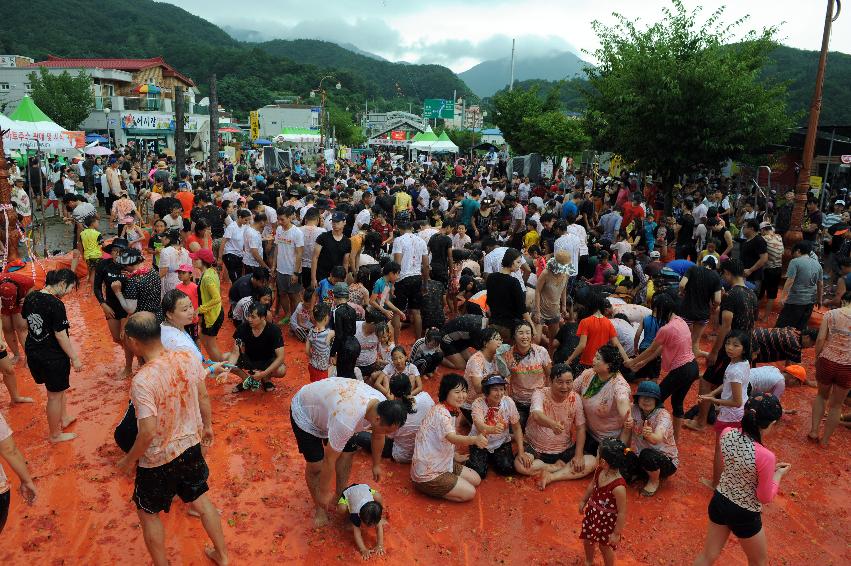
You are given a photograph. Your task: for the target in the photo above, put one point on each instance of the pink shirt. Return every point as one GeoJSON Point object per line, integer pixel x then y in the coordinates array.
{"type": "Point", "coordinates": [477, 366]}
{"type": "Point", "coordinates": [527, 374]}
{"type": "Point", "coordinates": [5, 432]}
{"type": "Point", "coordinates": [505, 412]}
{"type": "Point", "coordinates": [601, 410]}
{"type": "Point", "coordinates": [837, 347]}
{"type": "Point", "coordinates": [569, 413]}
{"type": "Point", "coordinates": [675, 339]}
{"type": "Point", "coordinates": [165, 388]}
{"type": "Point", "coordinates": [659, 418]}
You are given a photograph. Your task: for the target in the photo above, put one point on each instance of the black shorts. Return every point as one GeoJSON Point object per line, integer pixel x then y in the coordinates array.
{"type": "Point", "coordinates": [548, 458]}
{"type": "Point", "coordinates": [306, 280]}
{"type": "Point", "coordinates": [185, 476]}
{"type": "Point", "coordinates": [53, 373]}
{"type": "Point", "coordinates": [5, 499]}
{"type": "Point", "coordinates": [441, 276]}
{"type": "Point", "coordinates": [213, 330]}
{"type": "Point", "coordinates": [770, 282]}
{"type": "Point", "coordinates": [409, 293]}
{"type": "Point", "coordinates": [312, 448]}
{"type": "Point", "coordinates": [742, 522]}
{"type": "Point", "coordinates": [253, 365]}
{"type": "Point", "coordinates": [450, 348]}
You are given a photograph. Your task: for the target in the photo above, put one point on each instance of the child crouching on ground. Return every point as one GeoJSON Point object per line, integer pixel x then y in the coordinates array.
{"type": "Point", "coordinates": [318, 343]}
{"type": "Point", "coordinates": [364, 508]}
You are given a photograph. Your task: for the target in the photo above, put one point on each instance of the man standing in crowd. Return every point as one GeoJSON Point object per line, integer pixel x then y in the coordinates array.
{"type": "Point", "coordinates": [411, 253]}
{"type": "Point", "coordinates": [803, 288]}
{"type": "Point", "coordinates": [174, 419]}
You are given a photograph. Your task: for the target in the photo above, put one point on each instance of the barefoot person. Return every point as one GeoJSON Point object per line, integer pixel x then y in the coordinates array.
{"type": "Point", "coordinates": [174, 420]}
{"type": "Point", "coordinates": [50, 353]}
{"type": "Point", "coordinates": [750, 479]}
{"type": "Point", "coordinates": [14, 287]}
{"type": "Point", "coordinates": [833, 369]}
{"type": "Point", "coordinates": [556, 419]}
{"type": "Point", "coordinates": [108, 271]}
{"type": "Point", "coordinates": [7, 368]}
{"type": "Point", "coordinates": [10, 453]}
{"type": "Point", "coordinates": [325, 416]}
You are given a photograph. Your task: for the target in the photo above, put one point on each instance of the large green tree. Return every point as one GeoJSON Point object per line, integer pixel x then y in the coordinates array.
{"type": "Point", "coordinates": [681, 91]}
{"type": "Point", "coordinates": [65, 98]}
{"type": "Point", "coordinates": [555, 135]}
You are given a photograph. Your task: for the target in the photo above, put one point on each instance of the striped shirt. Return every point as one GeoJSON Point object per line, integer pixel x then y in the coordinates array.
{"type": "Point", "coordinates": [777, 344]}
{"type": "Point", "coordinates": [320, 349]}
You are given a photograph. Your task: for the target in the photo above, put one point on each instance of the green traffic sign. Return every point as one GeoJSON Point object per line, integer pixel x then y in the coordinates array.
{"type": "Point", "coordinates": [438, 108]}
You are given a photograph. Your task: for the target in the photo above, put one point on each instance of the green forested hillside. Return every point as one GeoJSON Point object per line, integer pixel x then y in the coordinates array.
{"type": "Point", "coordinates": [250, 75]}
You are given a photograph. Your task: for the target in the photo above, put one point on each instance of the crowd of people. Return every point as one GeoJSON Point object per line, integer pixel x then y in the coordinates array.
{"type": "Point", "coordinates": [556, 318]}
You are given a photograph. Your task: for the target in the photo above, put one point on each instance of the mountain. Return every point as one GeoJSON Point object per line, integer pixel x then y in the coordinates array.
{"type": "Point", "coordinates": [355, 49]}
{"type": "Point", "coordinates": [246, 35]}
{"type": "Point", "coordinates": [250, 75]}
{"type": "Point", "coordinates": [392, 79]}
{"type": "Point", "coordinates": [490, 76]}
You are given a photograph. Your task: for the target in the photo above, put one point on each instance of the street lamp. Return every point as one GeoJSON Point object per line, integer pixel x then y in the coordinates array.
{"type": "Point", "coordinates": [106, 112]}
{"type": "Point", "coordinates": [322, 91]}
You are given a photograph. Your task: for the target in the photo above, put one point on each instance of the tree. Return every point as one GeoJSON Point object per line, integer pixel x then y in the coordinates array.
{"type": "Point", "coordinates": [555, 135]}
{"type": "Point", "coordinates": [341, 122]}
{"type": "Point", "coordinates": [678, 93]}
{"type": "Point", "coordinates": [65, 98]}
{"type": "Point", "coordinates": [510, 108]}
{"type": "Point", "coordinates": [463, 139]}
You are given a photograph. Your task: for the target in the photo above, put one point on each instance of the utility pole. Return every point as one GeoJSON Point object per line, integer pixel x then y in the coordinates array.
{"type": "Point", "coordinates": [179, 137]}
{"type": "Point", "coordinates": [511, 82]}
{"type": "Point", "coordinates": [794, 234]}
{"type": "Point", "coordinates": [214, 124]}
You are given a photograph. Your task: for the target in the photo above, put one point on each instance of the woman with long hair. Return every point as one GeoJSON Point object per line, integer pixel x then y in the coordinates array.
{"type": "Point", "coordinates": [833, 369]}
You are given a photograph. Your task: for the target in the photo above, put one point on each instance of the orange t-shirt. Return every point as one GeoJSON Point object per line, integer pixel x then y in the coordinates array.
{"type": "Point", "coordinates": [599, 331]}
{"type": "Point", "coordinates": [187, 201]}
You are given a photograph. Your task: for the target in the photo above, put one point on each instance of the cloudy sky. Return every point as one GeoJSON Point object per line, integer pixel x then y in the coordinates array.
{"type": "Point", "coordinates": [461, 33]}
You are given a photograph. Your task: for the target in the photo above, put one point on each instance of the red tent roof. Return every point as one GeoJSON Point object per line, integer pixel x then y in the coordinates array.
{"type": "Point", "coordinates": [120, 64]}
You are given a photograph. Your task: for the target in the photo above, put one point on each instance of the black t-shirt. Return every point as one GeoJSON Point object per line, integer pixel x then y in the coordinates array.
{"type": "Point", "coordinates": [385, 202]}
{"type": "Point", "coordinates": [684, 236]}
{"type": "Point", "coordinates": [106, 272]}
{"type": "Point", "coordinates": [146, 289]}
{"type": "Point", "coordinates": [742, 302]}
{"type": "Point", "coordinates": [213, 216]}
{"type": "Point", "coordinates": [332, 253]}
{"type": "Point", "coordinates": [568, 339]}
{"type": "Point", "coordinates": [702, 285]}
{"type": "Point", "coordinates": [45, 316]}
{"type": "Point", "coordinates": [506, 299]}
{"type": "Point", "coordinates": [259, 348]}
{"type": "Point", "coordinates": [813, 219]}
{"type": "Point", "coordinates": [439, 246]}
{"type": "Point", "coordinates": [241, 288]}
{"type": "Point", "coordinates": [163, 206]}
{"type": "Point", "coordinates": [461, 329]}
{"type": "Point", "coordinates": [750, 250]}
{"type": "Point", "coordinates": [586, 208]}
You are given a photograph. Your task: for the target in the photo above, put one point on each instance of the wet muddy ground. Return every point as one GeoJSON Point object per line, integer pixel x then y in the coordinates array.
{"type": "Point", "coordinates": [83, 514]}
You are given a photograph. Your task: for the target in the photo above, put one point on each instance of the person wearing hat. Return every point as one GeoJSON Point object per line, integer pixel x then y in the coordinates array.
{"type": "Point", "coordinates": [107, 271]}
{"type": "Point", "coordinates": [654, 455]}
{"type": "Point", "coordinates": [210, 309]}
{"type": "Point", "coordinates": [773, 380]}
{"type": "Point", "coordinates": [750, 479]}
{"type": "Point", "coordinates": [141, 289]}
{"type": "Point", "coordinates": [495, 415]}
{"type": "Point", "coordinates": [551, 292]}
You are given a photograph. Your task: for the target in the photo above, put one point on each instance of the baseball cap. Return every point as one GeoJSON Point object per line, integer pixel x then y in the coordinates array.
{"type": "Point", "coordinates": [184, 267]}
{"type": "Point", "coordinates": [654, 254]}
{"type": "Point", "coordinates": [764, 225]}
{"type": "Point", "coordinates": [494, 380]}
{"type": "Point", "coordinates": [340, 290]}
{"type": "Point", "coordinates": [796, 371]}
{"type": "Point", "coordinates": [840, 201]}
{"type": "Point", "coordinates": [338, 217]}
{"type": "Point", "coordinates": [204, 255]}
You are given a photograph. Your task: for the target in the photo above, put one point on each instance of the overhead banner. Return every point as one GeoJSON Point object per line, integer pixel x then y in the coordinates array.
{"type": "Point", "coordinates": [254, 124]}
{"type": "Point", "coordinates": [438, 108]}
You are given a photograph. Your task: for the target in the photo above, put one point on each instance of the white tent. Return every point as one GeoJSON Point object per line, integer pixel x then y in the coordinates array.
{"type": "Point", "coordinates": [443, 145]}
{"type": "Point", "coordinates": [37, 132]}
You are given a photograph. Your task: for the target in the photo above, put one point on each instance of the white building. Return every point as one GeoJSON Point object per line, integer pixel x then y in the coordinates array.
{"type": "Point", "coordinates": [275, 117]}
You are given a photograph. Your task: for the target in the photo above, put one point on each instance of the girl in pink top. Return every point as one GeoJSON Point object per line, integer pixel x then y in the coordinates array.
{"type": "Point", "coordinates": [654, 456]}
{"type": "Point", "coordinates": [750, 479]}
{"type": "Point", "coordinates": [673, 342]}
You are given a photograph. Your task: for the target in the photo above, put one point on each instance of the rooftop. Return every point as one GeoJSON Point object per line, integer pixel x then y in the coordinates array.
{"type": "Point", "coordinates": [120, 64]}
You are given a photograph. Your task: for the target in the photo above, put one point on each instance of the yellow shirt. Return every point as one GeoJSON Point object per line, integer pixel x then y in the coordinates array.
{"type": "Point", "coordinates": [403, 202]}
{"type": "Point", "coordinates": [531, 239]}
{"type": "Point", "coordinates": [91, 239]}
{"type": "Point", "coordinates": [211, 299]}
